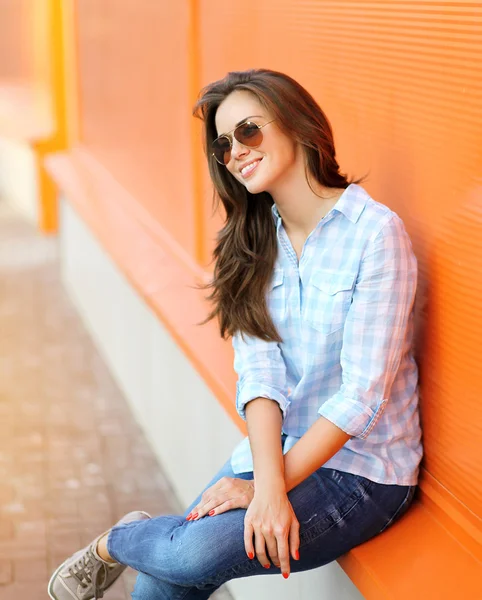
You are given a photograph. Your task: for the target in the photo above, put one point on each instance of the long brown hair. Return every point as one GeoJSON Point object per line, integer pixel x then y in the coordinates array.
{"type": "Point", "coordinates": [246, 248]}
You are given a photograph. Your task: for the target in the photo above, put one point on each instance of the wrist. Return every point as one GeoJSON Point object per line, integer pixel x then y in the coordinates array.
{"type": "Point", "coordinates": [269, 483]}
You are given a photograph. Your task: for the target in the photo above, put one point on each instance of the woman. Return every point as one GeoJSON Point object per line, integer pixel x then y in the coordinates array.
{"type": "Point", "coordinates": [315, 281]}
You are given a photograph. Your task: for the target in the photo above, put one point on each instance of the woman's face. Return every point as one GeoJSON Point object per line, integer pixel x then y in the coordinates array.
{"type": "Point", "coordinates": [273, 161]}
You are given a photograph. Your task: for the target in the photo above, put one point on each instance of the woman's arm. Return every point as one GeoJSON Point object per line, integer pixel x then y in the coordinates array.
{"type": "Point", "coordinates": [322, 441]}
{"type": "Point", "coordinates": [271, 526]}
{"type": "Point", "coordinates": [261, 372]}
{"type": "Point", "coordinates": [264, 419]}
{"type": "Point", "coordinates": [271, 529]}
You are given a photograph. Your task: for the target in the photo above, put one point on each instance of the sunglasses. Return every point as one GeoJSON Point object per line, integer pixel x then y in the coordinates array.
{"type": "Point", "coordinates": [248, 133]}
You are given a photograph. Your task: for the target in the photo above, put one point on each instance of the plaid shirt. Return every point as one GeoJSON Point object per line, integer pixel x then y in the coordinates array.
{"type": "Point", "coordinates": [345, 313]}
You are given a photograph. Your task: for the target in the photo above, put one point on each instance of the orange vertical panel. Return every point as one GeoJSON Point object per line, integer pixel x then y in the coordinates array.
{"type": "Point", "coordinates": [136, 104]}
{"type": "Point", "coordinates": [15, 58]}
{"type": "Point", "coordinates": [25, 75]}
{"type": "Point", "coordinates": [401, 83]}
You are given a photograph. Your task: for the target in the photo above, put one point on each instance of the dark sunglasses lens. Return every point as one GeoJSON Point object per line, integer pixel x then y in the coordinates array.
{"type": "Point", "coordinates": [249, 134]}
{"type": "Point", "coordinates": [222, 150]}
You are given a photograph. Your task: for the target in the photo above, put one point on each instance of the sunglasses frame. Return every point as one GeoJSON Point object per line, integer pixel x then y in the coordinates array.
{"type": "Point", "coordinates": [230, 134]}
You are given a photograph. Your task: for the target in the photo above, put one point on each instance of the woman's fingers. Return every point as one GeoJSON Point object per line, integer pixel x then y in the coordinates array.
{"type": "Point", "coordinates": [284, 554]}
{"type": "Point", "coordinates": [260, 549]}
{"type": "Point", "coordinates": [222, 508]}
{"type": "Point", "coordinates": [248, 539]}
{"type": "Point", "coordinates": [203, 507]}
{"type": "Point", "coordinates": [276, 533]}
{"type": "Point", "coordinates": [224, 495]}
{"type": "Point", "coordinates": [256, 548]}
{"type": "Point", "coordinates": [211, 498]}
{"type": "Point", "coordinates": [215, 506]}
{"type": "Point", "coordinates": [272, 547]}
{"type": "Point", "coordinates": [206, 507]}
{"type": "Point", "coordinates": [295, 539]}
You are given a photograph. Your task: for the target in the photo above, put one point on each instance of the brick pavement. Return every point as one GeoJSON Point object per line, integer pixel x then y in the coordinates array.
{"type": "Point", "coordinates": [72, 459]}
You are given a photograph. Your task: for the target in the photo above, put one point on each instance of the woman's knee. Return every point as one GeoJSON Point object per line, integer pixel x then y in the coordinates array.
{"type": "Point", "coordinates": [209, 547]}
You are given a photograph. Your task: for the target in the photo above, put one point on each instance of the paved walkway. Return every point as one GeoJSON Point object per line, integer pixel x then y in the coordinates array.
{"type": "Point", "coordinates": [72, 459]}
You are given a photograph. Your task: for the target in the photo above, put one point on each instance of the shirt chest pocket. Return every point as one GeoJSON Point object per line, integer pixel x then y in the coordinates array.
{"type": "Point", "coordinates": [327, 300]}
{"type": "Point", "coordinates": [276, 297]}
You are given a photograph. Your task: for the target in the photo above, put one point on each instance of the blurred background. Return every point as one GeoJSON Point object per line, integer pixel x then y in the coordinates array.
{"type": "Point", "coordinates": [111, 397]}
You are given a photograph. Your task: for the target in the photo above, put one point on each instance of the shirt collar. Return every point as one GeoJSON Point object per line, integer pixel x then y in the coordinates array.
{"type": "Point", "coordinates": [351, 203]}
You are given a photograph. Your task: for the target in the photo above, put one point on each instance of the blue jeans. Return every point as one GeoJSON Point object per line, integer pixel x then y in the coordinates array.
{"type": "Point", "coordinates": [179, 559]}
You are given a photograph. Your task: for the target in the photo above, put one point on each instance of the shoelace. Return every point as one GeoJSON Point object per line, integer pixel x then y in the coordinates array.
{"type": "Point", "coordinates": [87, 570]}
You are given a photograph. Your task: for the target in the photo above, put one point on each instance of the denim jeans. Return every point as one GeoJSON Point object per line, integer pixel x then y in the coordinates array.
{"type": "Point", "coordinates": [179, 559]}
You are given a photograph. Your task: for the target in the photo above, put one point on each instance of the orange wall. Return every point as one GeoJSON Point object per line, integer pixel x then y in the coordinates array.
{"type": "Point", "coordinates": [25, 38]}
{"type": "Point", "coordinates": [15, 61]}
{"type": "Point", "coordinates": [135, 103]}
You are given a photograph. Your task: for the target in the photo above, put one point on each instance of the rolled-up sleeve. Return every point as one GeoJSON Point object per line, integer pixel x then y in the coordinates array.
{"type": "Point", "coordinates": [375, 333]}
{"type": "Point", "coordinates": [261, 372]}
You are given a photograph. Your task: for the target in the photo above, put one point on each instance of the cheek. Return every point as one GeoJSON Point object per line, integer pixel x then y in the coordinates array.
{"type": "Point", "coordinates": [289, 154]}
{"type": "Point", "coordinates": [230, 167]}
{"type": "Point", "coordinates": [282, 159]}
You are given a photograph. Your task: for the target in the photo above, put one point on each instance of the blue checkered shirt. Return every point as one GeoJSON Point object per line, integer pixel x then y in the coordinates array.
{"type": "Point", "coordinates": [345, 313]}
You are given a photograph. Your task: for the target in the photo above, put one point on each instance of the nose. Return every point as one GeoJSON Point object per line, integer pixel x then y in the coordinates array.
{"type": "Point", "coordinates": [238, 149]}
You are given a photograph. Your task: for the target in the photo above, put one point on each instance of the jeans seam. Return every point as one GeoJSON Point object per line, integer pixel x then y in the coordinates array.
{"type": "Point", "coordinates": [397, 512]}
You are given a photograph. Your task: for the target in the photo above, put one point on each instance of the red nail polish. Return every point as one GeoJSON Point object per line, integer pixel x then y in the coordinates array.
{"type": "Point", "coordinates": [267, 566]}
{"type": "Point", "coordinates": [211, 513]}
{"type": "Point", "coordinates": [285, 575]}
{"type": "Point", "coordinates": [297, 555]}
{"type": "Point", "coordinates": [195, 515]}
{"type": "Point", "coordinates": [250, 555]}
{"type": "Point", "coordinates": [188, 516]}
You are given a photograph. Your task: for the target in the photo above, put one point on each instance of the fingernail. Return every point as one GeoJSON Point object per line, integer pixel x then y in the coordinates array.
{"type": "Point", "coordinates": [250, 555]}
{"type": "Point", "coordinates": [211, 513]}
{"type": "Point", "coordinates": [267, 566]}
{"type": "Point", "coordinates": [189, 516]}
{"type": "Point", "coordinates": [285, 575]}
{"type": "Point", "coordinates": [195, 515]}
{"type": "Point", "coordinates": [297, 555]}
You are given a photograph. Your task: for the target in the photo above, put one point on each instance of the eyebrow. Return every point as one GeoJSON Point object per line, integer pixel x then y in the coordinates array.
{"type": "Point", "coordinates": [246, 118]}
{"type": "Point", "coordinates": [242, 121]}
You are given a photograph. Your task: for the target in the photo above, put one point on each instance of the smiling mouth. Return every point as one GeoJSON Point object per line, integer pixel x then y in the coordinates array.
{"type": "Point", "coordinates": [246, 172]}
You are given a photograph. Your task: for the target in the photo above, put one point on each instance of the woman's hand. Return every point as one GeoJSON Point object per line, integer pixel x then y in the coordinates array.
{"type": "Point", "coordinates": [224, 495]}
{"type": "Point", "coordinates": [270, 518]}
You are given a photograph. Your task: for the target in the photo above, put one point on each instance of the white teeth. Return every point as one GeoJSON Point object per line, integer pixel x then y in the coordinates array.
{"type": "Point", "coordinates": [249, 167]}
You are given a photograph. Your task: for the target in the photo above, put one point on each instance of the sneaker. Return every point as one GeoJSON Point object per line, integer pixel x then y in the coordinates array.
{"type": "Point", "coordinates": [85, 576]}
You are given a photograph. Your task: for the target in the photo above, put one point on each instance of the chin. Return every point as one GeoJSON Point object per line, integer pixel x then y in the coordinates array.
{"type": "Point", "coordinates": [255, 188]}
{"type": "Point", "coordinates": [258, 186]}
